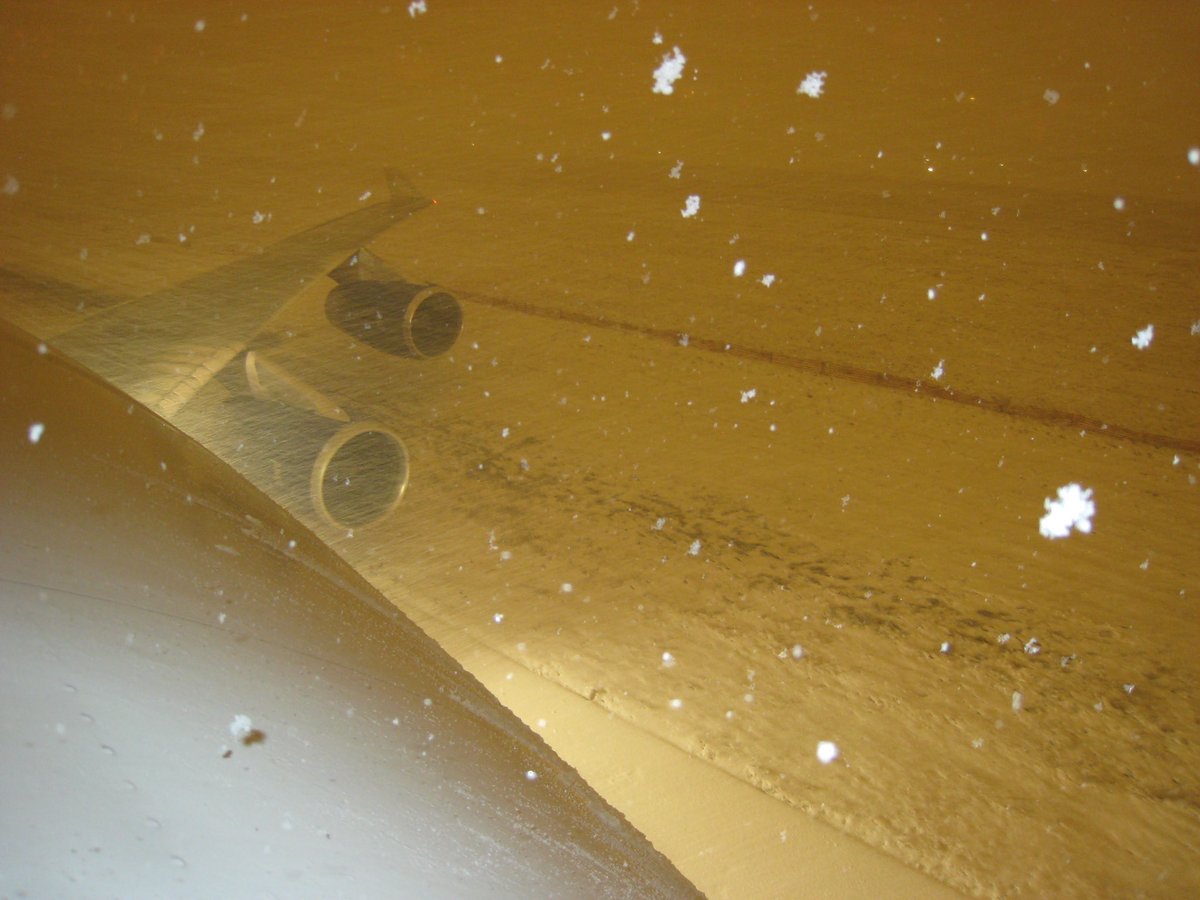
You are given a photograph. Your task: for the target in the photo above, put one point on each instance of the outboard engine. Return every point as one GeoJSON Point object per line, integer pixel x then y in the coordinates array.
{"type": "Point", "coordinates": [375, 305]}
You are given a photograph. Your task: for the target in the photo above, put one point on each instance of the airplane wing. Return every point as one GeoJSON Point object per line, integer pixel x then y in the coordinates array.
{"type": "Point", "coordinates": [183, 349]}
{"type": "Point", "coordinates": [164, 347]}
{"type": "Point", "coordinates": [159, 771]}
{"type": "Point", "coordinates": [48, 306]}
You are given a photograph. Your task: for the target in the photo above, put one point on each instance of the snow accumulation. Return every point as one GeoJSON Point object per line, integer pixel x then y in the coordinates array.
{"type": "Point", "coordinates": [691, 206]}
{"type": "Point", "coordinates": [241, 726]}
{"type": "Point", "coordinates": [1074, 508]}
{"type": "Point", "coordinates": [1142, 339]}
{"type": "Point", "coordinates": [813, 84]}
{"type": "Point", "coordinates": [669, 71]}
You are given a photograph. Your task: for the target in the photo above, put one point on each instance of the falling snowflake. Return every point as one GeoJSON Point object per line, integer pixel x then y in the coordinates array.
{"type": "Point", "coordinates": [1074, 508]}
{"type": "Point", "coordinates": [813, 84]}
{"type": "Point", "coordinates": [669, 71]}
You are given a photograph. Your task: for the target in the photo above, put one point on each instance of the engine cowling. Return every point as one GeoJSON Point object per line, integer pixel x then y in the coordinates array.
{"type": "Point", "coordinates": [359, 474]}
{"type": "Point", "coordinates": [299, 445]}
{"type": "Point", "coordinates": [397, 317]}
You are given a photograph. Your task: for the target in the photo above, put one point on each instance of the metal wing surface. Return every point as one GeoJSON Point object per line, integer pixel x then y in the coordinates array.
{"type": "Point", "coordinates": [162, 348]}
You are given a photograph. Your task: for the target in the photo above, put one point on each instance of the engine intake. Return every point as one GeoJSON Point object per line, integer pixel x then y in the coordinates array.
{"type": "Point", "coordinates": [297, 444]}
{"type": "Point", "coordinates": [359, 475]}
{"type": "Point", "coordinates": [397, 317]}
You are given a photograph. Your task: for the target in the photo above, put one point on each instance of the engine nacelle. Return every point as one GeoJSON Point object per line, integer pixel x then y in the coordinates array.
{"type": "Point", "coordinates": [358, 470]}
{"type": "Point", "coordinates": [376, 305]}
{"type": "Point", "coordinates": [397, 317]}
{"type": "Point", "coordinates": [297, 444]}
{"type": "Point", "coordinates": [359, 474]}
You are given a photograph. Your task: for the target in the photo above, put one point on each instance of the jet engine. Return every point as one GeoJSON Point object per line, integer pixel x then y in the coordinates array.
{"type": "Point", "coordinates": [375, 305]}
{"type": "Point", "coordinates": [298, 445]}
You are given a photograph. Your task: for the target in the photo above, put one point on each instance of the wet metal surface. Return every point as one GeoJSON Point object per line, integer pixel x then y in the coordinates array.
{"type": "Point", "coordinates": [746, 509]}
